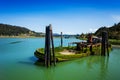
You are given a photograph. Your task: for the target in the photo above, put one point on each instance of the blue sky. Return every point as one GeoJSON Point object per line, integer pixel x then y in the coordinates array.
{"type": "Point", "coordinates": [67, 16]}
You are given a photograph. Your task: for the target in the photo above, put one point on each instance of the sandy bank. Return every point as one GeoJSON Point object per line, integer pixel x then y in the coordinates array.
{"type": "Point", "coordinates": [66, 52]}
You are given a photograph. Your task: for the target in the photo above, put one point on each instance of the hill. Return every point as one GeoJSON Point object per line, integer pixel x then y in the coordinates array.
{"type": "Point", "coordinates": [113, 31]}
{"type": "Point", "coordinates": [10, 30]}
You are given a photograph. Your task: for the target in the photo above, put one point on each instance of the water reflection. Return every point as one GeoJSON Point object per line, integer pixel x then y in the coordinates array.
{"type": "Point", "coordinates": [30, 61]}
{"type": "Point", "coordinates": [95, 66]}
{"type": "Point", "coordinates": [104, 67]}
{"type": "Point", "coordinates": [100, 63]}
{"type": "Point", "coordinates": [17, 62]}
{"type": "Point", "coordinates": [47, 73]}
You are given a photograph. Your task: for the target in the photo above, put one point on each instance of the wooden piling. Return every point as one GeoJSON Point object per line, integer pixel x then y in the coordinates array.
{"type": "Point", "coordinates": [45, 51]}
{"type": "Point", "coordinates": [53, 52]}
{"type": "Point", "coordinates": [91, 50]}
{"type": "Point", "coordinates": [61, 39]}
{"type": "Point", "coordinates": [79, 47]}
{"type": "Point", "coordinates": [104, 46]}
{"type": "Point", "coordinates": [107, 45]}
{"type": "Point", "coordinates": [47, 47]}
{"type": "Point", "coordinates": [48, 41]}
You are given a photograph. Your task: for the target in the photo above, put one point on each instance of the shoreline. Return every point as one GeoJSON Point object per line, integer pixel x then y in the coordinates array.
{"type": "Point", "coordinates": [19, 37]}
{"type": "Point", "coordinates": [115, 46]}
{"type": "Point", "coordinates": [24, 37]}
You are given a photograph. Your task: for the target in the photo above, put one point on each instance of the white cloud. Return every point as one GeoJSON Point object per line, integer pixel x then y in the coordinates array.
{"type": "Point", "coordinates": [91, 30]}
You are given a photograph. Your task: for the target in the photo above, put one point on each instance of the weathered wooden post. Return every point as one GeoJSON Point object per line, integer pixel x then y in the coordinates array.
{"type": "Point", "coordinates": [47, 47]}
{"type": "Point", "coordinates": [104, 44]}
{"type": "Point", "coordinates": [79, 46]}
{"type": "Point", "coordinates": [91, 50]}
{"type": "Point", "coordinates": [107, 45]}
{"type": "Point", "coordinates": [82, 45]}
{"type": "Point", "coordinates": [48, 41]}
{"type": "Point", "coordinates": [45, 51]}
{"type": "Point", "coordinates": [54, 59]}
{"type": "Point", "coordinates": [61, 39]}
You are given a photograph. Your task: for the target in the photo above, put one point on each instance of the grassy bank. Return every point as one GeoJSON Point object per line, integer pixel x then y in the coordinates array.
{"type": "Point", "coordinates": [114, 41]}
{"type": "Point", "coordinates": [39, 53]}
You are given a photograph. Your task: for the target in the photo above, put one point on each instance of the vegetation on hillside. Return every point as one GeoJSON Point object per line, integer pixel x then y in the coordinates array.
{"type": "Point", "coordinates": [10, 30]}
{"type": "Point", "coordinates": [114, 41]}
{"type": "Point", "coordinates": [113, 31]}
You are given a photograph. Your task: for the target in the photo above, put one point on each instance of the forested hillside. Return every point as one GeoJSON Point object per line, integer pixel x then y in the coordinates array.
{"type": "Point", "coordinates": [10, 30]}
{"type": "Point", "coordinates": [113, 31]}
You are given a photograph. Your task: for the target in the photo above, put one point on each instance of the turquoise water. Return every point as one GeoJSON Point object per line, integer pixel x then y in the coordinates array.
{"type": "Point", "coordinates": [17, 62]}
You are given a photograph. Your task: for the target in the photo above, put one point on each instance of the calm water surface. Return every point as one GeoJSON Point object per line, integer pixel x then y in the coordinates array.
{"type": "Point", "coordinates": [17, 63]}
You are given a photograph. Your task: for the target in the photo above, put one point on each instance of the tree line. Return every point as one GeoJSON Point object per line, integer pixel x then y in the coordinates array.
{"type": "Point", "coordinates": [10, 30]}
{"type": "Point", "coordinates": [113, 31]}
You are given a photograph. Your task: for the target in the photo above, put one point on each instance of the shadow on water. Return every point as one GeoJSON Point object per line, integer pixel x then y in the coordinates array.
{"type": "Point", "coordinates": [32, 61]}
{"type": "Point", "coordinates": [32, 58]}
{"type": "Point", "coordinates": [26, 63]}
{"type": "Point", "coordinates": [36, 61]}
{"type": "Point", "coordinates": [40, 63]}
{"type": "Point", "coordinates": [15, 42]}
